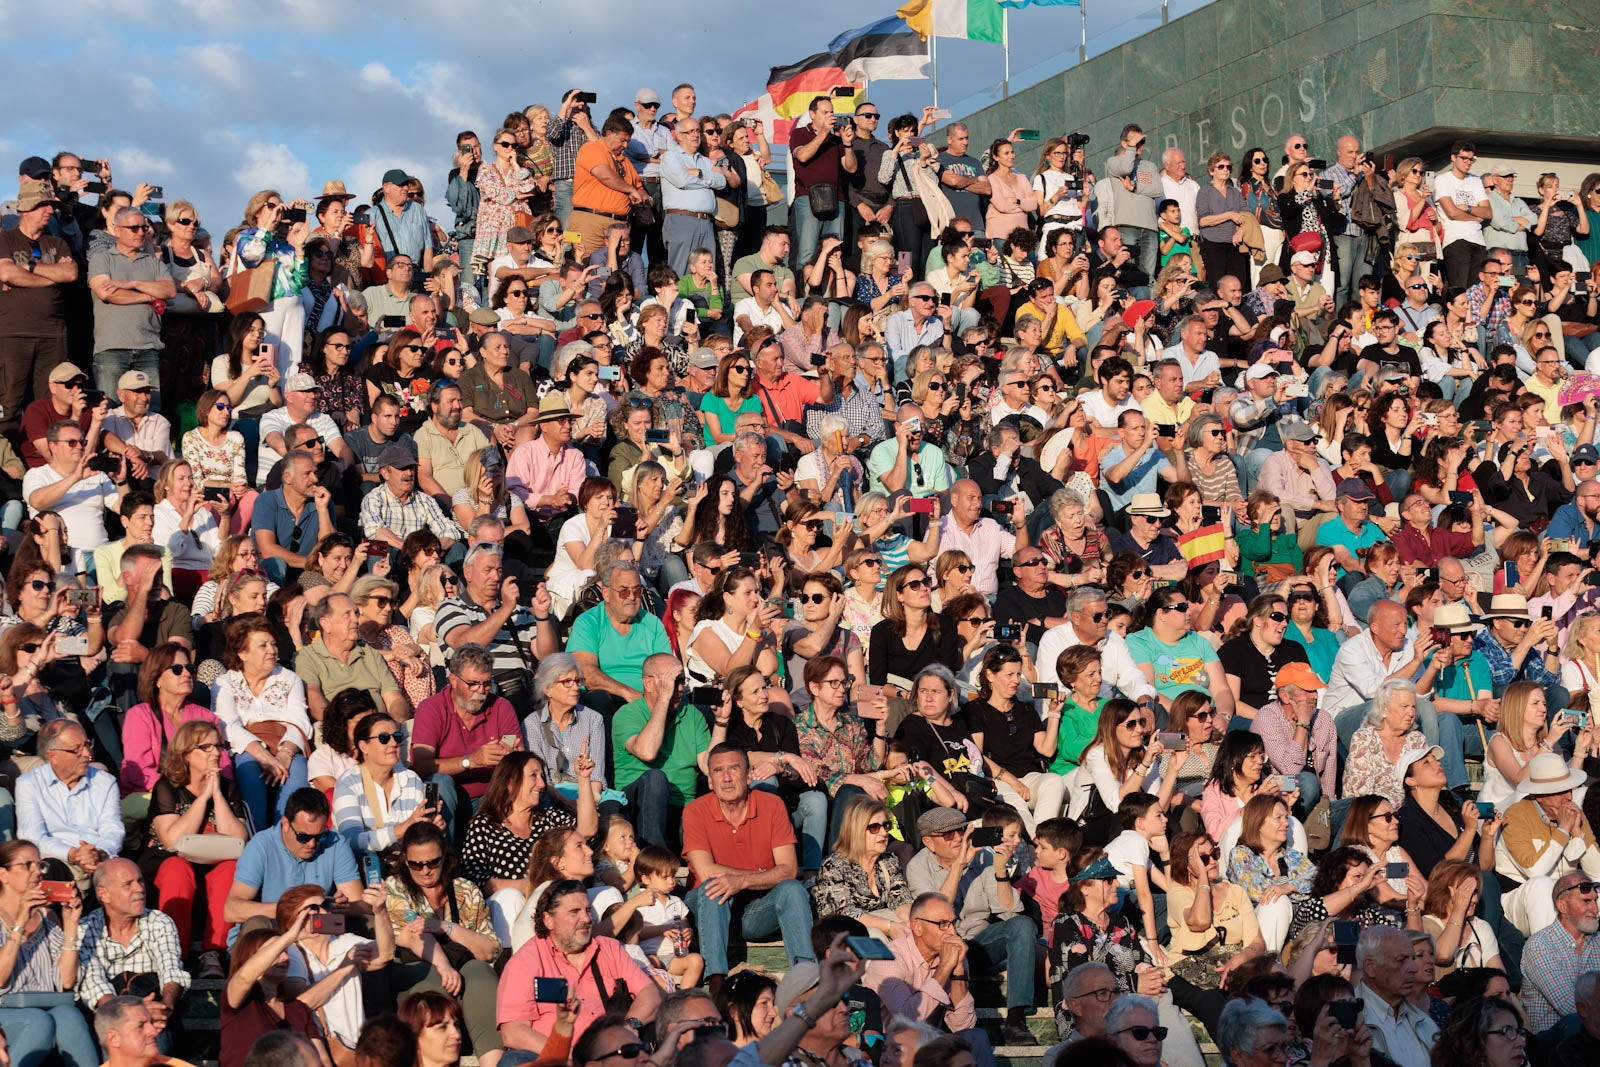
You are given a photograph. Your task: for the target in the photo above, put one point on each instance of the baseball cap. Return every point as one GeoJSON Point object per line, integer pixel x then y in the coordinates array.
{"type": "Point", "coordinates": [1296, 431]}
{"type": "Point", "coordinates": [1586, 454]}
{"type": "Point", "coordinates": [703, 359]}
{"type": "Point", "coordinates": [34, 167]}
{"type": "Point", "coordinates": [300, 383]}
{"type": "Point", "coordinates": [1503, 170]}
{"type": "Point", "coordinates": [647, 96]}
{"type": "Point", "coordinates": [1308, 259]}
{"type": "Point", "coordinates": [135, 379]}
{"type": "Point", "coordinates": [1355, 489]}
{"type": "Point", "coordinates": [801, 979]}
{"type": "Point", "coordinates": [1299, 675]}
{"type": "Point", "coordinates": [65, 373]}
{"type": "Point", "coordinates": [1258, 371]}
{"type": "Point", "coordinates": [396, 456]}
{"type": "Point", "coordinates": [395, 176]}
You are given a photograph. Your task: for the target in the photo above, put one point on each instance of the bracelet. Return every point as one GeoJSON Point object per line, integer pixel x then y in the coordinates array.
{"type": "Point", "coordinates": [754, 635]}
{"type": "Point", "coordinates": [541, 618]}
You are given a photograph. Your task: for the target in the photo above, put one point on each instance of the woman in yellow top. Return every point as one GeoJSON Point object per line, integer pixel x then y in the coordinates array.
{"type": "Point", "coordinates": [1199, 903]}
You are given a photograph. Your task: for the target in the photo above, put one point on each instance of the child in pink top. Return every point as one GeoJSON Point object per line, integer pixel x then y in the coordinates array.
{"type": "Point", "coordinates": [1055, 842]}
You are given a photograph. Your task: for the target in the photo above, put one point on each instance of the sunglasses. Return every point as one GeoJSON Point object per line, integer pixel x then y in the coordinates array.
{"type": "Point", "coordinates": [1205, 716]}
{"type": "Point", "coordinates": [425, 865]}
{"type": "Point", "coordinates": [814, 598]}
{"type": "Point", "coordinates": [306, 839]}
{"type": "Point", "coordinates": [963, 568]}
{"type": "Point", "coordinates": [1145, 1033]}
{"type": "Point", "coordinates": [505, 144]}
{"type": "Point", "coordinates": [180, 669]}
{"type": "Point", "coordinates": [916, 583]}
{"type": "Point", "coordinates": [30, 648]}
{"type": "Point", "coordinates": [1277, 616]}
{"type": "Point", "coordinates": [185, 222]}
{"type": "Point", "coordinates": [1176, 607]}
{"type": "Point", "coordinates": [386, 737]}
{"type": "Point", "coordinates": [1038, 561]}
{"type": "Point", "coordinates": [39, 586]}
{"type": "Point", "coordinates": [631, 1051]}
{"type": "Point", "coordinates": [877, 827]}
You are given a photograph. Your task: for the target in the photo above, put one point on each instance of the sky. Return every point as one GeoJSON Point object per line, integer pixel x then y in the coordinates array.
{"type": "Point", "coordinates": [215, 99]}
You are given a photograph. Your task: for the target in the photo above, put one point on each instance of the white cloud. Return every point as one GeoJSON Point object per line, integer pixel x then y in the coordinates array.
{"type": "Point", "coordinates": [140, 164]}
{"type": "Point", "coordinates": [223, 63]}
{"type": "Point", "coordinates": [272, 166]}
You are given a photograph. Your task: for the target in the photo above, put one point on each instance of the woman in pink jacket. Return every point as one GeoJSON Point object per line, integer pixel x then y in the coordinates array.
{"type": "Point", "coordinates": [1011, 196]}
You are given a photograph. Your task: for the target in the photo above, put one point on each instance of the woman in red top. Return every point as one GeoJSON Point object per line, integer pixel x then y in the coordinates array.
{"type": "Point", "coordinates": [253, 1002]}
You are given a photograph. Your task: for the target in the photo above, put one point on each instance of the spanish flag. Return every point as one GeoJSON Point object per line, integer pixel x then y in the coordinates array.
{"type": "Point", "coordinates": [1205, 545]}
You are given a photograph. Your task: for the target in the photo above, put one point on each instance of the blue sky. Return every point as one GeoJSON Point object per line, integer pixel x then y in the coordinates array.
{"type": "Point", "coordinates": [214, 99]}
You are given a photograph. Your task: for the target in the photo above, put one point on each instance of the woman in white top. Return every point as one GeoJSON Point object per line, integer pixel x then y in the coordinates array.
{"type": "Point", "coordinates": [437, 584]}
{"type": "Point", "coordinates": [377, 801]}
{"type": "Point", "coordinates": [1522, 733]}
{"type": "Point", "coordinates": [1061, 191]}
{"type": "Point", "coordinates": [1448, 913]}
{"type": "Point", "coordinates": [186, 526]}
{"type": "Point", "coordinates": [580, 538]}
{"type": "Point", "coordinates": [1580, 659]}
{"type": "Point", "coordinates": [262, 705]}
{"type": "Point", "coordinates": [1122, 759]}
{"type": "Point", "coordinates": [734, 628]}
{"type": "Point", "coordinates": [332, 965]}
{"type": "Point", "coordinates": [248, 375]}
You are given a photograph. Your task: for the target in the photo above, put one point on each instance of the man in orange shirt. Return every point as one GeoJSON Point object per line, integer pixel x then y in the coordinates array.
{"type": "Point", "coordinates": [604, 184]}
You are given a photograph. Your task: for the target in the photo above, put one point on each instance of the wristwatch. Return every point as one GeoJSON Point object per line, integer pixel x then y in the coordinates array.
{"type": "Point", "coordinates": [466, 763]}
{"type": "Point", "coordinates": [799, 1012]}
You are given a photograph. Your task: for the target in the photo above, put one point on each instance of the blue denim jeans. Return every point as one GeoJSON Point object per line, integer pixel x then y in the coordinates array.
{"type": "Point", "coordinates": [1008, 945]}
{"type": "Point", "coordinates": [33, 1033]}
{"type": "Point", "coordinates": [265, 802]}
{"type": "Point", "coordinates": [562, 188]}
{"type": "Point", "coordinates": [808, 229]}
{"type": "Point", "coordinates": [1144, 246]}
{"type": "Point", "coordinates": [784, 908]}
{"type": "Point", "coordinates": [650, 801]}
{"type": "Point", "coordinates": [810, 819]}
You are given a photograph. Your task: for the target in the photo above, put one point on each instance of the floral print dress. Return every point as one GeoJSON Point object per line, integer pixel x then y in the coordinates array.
{"type": "Point", "coordinates": [499, 199]}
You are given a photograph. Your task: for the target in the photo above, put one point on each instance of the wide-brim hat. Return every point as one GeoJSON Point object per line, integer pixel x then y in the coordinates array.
{"type": "Point", "coordinates": [1507, 606]}
{"type": "Point", "coordinates": [36, 193]}
{"type": "Point", "coordinates": [334, 190]}
{"type": "Point", "coordinates": [554, 406]}
{"type": "Point", "coordinates": [1548, 773]}
{"type": "Point", "coordinates": [1456, 619]}
{"type": "Point", "coordinates": [1147, 504]}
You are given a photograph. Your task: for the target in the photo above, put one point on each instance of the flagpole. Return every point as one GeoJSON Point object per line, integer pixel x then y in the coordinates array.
{"type": "Point", "coordinates": [1083, 30]}
{"type": "Point", "coordinates": [933, 66]}
{"type": "Point", "coordinates": [1005, 45]}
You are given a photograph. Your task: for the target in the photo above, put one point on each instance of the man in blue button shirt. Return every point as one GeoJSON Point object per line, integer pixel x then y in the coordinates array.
{"type": "Point", "coordinates": [401, 225]}
{"type": "Point", "coordinates": [688, 181]}
{"type": "Point", "coordinates": [301, 850]}
{"type": "Point", "coordinates": [68, 808]}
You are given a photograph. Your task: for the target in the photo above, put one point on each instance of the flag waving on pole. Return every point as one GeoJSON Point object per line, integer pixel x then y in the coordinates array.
{"type": "Point", "coordinates": [888, 50]}
{"type": "Point", "coordinates": [972, 20]}
{"type": "Point", "coordinates": [1039, 3]}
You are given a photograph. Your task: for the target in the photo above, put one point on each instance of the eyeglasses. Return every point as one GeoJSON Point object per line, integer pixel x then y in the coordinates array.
{"type": "Point", "coordinates": [1144, 1033]}
{"type": "Point", "coordinates": [877, 827]}
{"type": "Point", "coordinates": [425, 865]}
{"type": "Point", "coordinates": [915, 584]}
{"type": "Point", "coordinates": [180, 669]}
{"type": "Point", "coordinates": [1102, 995]}
{"type": "Point", "coordinates": [943, 924]}
{"type": "Point", "coordinates": [1389, 815]}
{"type": "Point", "coordinates": [387, 738]}
{"type": "Point", "coordinates": [1510, 1032]}
{"type": "Point", "coordinates": [628, 592]}
{"type": "Point", "coordinates": [482, 686]}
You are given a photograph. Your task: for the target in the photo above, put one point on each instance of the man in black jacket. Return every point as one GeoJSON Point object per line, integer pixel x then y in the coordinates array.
{"type": "Point", "coordinates": [1002, 466]}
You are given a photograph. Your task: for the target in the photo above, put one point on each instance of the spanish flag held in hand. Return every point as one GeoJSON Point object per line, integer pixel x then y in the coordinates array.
{"type": "Point", "coordinates": [1205, 545]}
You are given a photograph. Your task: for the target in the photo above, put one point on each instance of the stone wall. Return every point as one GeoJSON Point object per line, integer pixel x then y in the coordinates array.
{"type": "Point", "coordinates": [1403, 75]}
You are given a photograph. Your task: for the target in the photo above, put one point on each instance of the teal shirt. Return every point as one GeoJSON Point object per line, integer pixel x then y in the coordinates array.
{"type": "Point", "coordinates": [1321, 647]}
{"type": "Point", "coordinates": [1177, 668]}
{"type": "Point", "coordinates": [1334, 533]}
{"type": "Point", "coordinates": [621, 655]}
{"type": "Point", "coordinates": [687, 735]}
{"type": "Point", "coordinates": [1453, 682]}
{"type": "Point", "coordinates": [716, 405]}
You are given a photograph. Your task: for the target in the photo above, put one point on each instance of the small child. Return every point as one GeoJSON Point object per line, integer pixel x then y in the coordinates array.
{"type": "Point", "coordinates": [615, 851]}
{"type": "Point", "coordinates": [1055, 841]}
{"type": "Point", "coordinates": [1144, 830]}
{"type": "Point", "coordinates": [665, 934]}
{"type": "Point", "coordinates": [1175, 239]}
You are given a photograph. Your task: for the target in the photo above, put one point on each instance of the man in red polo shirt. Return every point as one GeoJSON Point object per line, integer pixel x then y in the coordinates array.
{"type": "Point", "coordinates": [456, 734]}
{"type": "Point", "coordinates": [785, 395]}
{"type": "Point", "coordinates": [565, 947]}
{"type": "Point", "coordinates": [740, 848]}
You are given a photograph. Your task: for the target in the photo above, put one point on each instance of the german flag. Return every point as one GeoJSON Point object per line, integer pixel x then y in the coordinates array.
{"type": "Point", "coordinates": [1205, 545]}
{"type": "Point", "coordinates": [793, 87]}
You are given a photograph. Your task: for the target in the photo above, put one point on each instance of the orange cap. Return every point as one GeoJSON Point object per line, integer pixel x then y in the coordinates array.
{"type": "Point", "coordinates": [1298, 674]}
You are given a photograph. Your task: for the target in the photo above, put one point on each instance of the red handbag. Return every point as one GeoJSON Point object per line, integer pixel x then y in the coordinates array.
{"type": "Point", "coordinates": [1306, 242]}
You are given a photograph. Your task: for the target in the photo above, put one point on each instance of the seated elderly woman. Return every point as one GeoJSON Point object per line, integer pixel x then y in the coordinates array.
{"type": "Point", "coordinates": [1388, 732]}
{"type": "Point", "coordinates": [262, 705]}
{"type": "Point", "coordinates": [559, 729]}
{"type": "Point", "coordinates": [375, 598]}
{"type": "Point", "coordinates": [861, 879]}
{"type": "Point", "coordinates": [197, 831]}
{"type": "Point", "coordinates": [445, 939]}
{"type": "Point", "coordinates": [378, 800]}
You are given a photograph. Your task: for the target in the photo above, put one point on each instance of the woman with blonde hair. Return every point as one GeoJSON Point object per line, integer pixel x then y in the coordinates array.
{"type": "Point", "coordinates": [483, 492]}
{"type": "Point", "coordinates": [953, 577]}
{"type": "Point", "coordinates": [186, 526]}
{"type": "Point", "coordinates": [538, 156]}
{"type": "Point", "coordinates": [1522, 732]}
{"type": "Point", "coordinates": [878, 286]}
{"type": "Point", "coordinates": [259, 245]}
{"type": "Point", "coordinates": [861, 879]}
{"type": "Point", "coordinates": [438, 583]}
{"type": "Point", "coordinates": [821, 473]}
{"type": "Point", "coordinates": [235, 555]}
{"type": "Point", "coordinates": [505, 190]}
{"type": "Point", "coordinates": [1580, 659]}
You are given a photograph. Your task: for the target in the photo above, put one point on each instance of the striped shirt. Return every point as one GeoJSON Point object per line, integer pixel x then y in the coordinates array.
{"type": "Point", "coordinates": [459, 611]}
{"type": "Point", "coordinates": [353, 817]}
{"type": "Point", "coordinates": [381, 511]}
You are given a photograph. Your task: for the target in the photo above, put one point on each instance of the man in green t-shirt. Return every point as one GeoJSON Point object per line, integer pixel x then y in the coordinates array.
{"type": "Point", "coordinates": [659, 746]}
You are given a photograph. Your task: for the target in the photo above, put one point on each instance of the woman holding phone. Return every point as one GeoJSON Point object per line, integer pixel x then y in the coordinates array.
{"type": "Point", "coordinates": [274, 235]}
{"type": "Point", "coordinates": [579, 539]}
{"type": "Point", "coordinates": [35, 958]}
{"type": "Point", "coordinates": [378, 800]}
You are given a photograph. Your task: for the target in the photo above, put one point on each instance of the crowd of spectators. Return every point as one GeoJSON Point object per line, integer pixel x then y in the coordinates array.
{"type": "Point", "coordinates": [1097, 594]}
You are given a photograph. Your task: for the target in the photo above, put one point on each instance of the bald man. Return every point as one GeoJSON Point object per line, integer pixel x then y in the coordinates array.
{"type": "Point", "coordinates": [1351, 246]}
{"type": "Point", "coordinates": [983, 540]}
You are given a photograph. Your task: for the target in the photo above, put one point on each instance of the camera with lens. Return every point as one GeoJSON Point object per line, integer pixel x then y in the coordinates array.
{"type": "Point", "coordinates": [1076, 141]}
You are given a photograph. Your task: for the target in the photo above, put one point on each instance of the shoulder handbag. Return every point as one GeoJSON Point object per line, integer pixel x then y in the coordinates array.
{"type": "Point", "coordinates": [727, 214]}
{"type": "Point", "coordinates": [642, 213]}
{"type": "Point", "coordinates": [770, 193]}
{"type": "Point", "coordinates": [270, 733]}
{"type": "Point", "coordinates": [618, 1000]}
{"type": "Point", "coordinates": [251, 290]}
{"type": "Point", "coordinates": [919, 210]}
{"type": "Point", "coordinates": [824, 200]}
